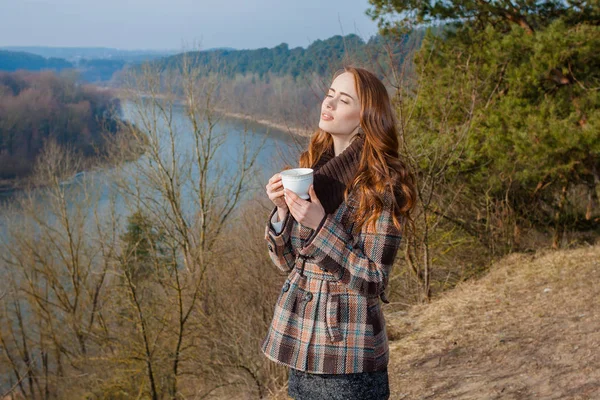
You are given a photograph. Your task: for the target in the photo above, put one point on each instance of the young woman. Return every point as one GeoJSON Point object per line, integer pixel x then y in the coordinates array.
{"type": "Point", "coordinates": [339, 246]}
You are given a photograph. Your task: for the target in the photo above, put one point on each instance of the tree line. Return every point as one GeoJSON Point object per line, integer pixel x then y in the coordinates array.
{"type": "Point", "coordinates": [262, 64]}
{"type": "Point", "coordinates": [15, 60]}
{"type": "Point", "coordinates": [320, 57]}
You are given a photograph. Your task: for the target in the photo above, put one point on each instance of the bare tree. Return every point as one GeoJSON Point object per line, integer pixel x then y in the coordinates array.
{"type": "Point", "coordinates": [187, 192]}
{"type": "Point", "coordinates": [53, 306]}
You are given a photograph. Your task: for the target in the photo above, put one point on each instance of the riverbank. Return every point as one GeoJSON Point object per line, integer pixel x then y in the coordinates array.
{"type": "Point", "coordinates": [124, 94]}
{"type": "Point", "coordinates": [269, 123]}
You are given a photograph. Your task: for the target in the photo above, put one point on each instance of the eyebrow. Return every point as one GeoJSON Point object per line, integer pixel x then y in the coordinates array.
{"type": "Point", "coordinates": [345, 94]}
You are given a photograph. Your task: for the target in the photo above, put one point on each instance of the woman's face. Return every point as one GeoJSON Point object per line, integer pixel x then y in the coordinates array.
{"type": "Point", "coordinates": [340, 111]}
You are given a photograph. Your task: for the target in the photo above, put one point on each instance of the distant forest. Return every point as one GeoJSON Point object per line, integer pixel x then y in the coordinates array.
{"type": "Point", "coordinates": [285, 85]}
{"type": "Point", "coordinates": [37, 107]}
{"type": "Point", "coordinates": [15, 60]}
{"type": "Point", "coordinates": [93, 70]}
{"type": "Point", "coordinates": [90, 53]}
{"type": "Point", "coordinates": [319, 57]}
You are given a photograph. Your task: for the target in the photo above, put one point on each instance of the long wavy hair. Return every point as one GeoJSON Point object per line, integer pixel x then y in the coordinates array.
{"type": "Point", "coordinates": [380, 168]}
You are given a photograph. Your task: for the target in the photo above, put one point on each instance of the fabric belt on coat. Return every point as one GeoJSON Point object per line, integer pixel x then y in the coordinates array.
{"type": "Point", "coordinates": [382, 296]}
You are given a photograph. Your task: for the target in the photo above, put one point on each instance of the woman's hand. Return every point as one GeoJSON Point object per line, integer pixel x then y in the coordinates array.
{"type": "Point", "coordinates": [275, 193]}
{"type": "Point", "coordinates": [308, 213]}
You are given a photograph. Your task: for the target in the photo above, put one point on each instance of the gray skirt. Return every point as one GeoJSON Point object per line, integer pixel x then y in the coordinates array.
{"type": "Point", "coordinates": [361, 386]}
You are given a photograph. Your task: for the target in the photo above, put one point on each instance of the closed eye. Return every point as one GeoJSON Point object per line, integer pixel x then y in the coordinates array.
{"type": "Point", "coordinates": [343, 101]}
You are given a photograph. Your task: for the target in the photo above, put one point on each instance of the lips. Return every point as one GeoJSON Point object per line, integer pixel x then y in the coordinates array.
{"type": "Point", "coordinates": [326, 116]}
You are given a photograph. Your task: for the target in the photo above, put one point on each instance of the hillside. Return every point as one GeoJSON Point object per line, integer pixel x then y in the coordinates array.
{"type": "Point", "coordinates": [530, 329]}
{"type": "Point", "coordinates": [15, 60]}
{"type": "Point", "coordinates": [93, 64]}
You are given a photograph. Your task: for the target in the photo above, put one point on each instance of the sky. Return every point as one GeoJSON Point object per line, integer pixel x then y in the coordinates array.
{"type": "Point", "coordinates": [179, 24]}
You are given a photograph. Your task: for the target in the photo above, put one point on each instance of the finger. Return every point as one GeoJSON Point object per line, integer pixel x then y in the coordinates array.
{"type": "Point", "coordinates": [274, 188]}
{"type": "Point", "coordinates": [277, 184]}
{"type": "Point", "coordinates": [289, 204]}
{"type": "Point", "coordinates": [271, 187]}
{"type": "Point", "coordinates": [276, 195]}
{"type": "Point", "coordinates": [313, 195]}
{"type": "Point", "coordinates": [275, 178]}
{"type": "Point", "coordinates": [293, 208]}
{"type": "Point", "coordinates": [293, 213]}
{"type": "Point", "coordinates": [298, 204]}
{"type": "Point", "coordinates": [293, 197]}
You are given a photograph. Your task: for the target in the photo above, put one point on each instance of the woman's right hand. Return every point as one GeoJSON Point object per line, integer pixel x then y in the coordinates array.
{"type": "Point", "coordinates": [275, 192]}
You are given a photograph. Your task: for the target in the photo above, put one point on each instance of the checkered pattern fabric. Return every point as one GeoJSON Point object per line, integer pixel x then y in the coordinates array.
{"type": "Point", "coordinates": [328, 317]}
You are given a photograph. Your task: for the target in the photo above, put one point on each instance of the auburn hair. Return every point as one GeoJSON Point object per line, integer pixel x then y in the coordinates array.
{"type": "Point", "coordinates": [380, 168]}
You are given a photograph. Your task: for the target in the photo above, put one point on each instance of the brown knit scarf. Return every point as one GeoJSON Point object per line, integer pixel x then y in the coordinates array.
{"type": "Point", "coordinates": [333, 173]}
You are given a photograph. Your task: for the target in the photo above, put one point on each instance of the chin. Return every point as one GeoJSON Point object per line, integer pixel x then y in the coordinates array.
{"type": "Point", "coordinates": [323, 126]}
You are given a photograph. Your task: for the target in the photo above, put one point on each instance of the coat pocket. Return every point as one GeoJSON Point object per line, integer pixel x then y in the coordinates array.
{"type": "Point", "coordinates": [375, 317]}
{"type": "Point", "coordinates": [332, 318]}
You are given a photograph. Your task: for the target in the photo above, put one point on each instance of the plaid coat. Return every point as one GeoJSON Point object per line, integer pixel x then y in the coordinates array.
{"type": "Point", "coordinates": [328, 318]}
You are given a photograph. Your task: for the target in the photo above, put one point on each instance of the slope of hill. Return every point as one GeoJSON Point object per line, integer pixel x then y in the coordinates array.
{"type": "Point", "coordinates": [99, 69]}
{"type": "Point", "coordinates": [15, 60]}
{"type": "Point", "coordinates": [530, 329]}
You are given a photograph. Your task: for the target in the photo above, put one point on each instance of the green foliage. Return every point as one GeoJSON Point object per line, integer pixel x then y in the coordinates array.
{"type": "Point", "coordinates": [322, 57]}
{"type": "Point", "coordinates": [524, 81]}
{"type": "Point", "coordinates": [144, 247]}
{"type": "Point", "coordinates": [530, 15]}
{"type": "Point", "coordinates": [543, 124]}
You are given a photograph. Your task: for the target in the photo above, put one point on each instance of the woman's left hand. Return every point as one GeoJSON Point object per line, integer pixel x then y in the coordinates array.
{"type": "Point", "coordinates": [308, 213]}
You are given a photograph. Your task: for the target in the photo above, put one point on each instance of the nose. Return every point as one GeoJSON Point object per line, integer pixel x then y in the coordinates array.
{"type": "Point", "coordinates": [329, 103]}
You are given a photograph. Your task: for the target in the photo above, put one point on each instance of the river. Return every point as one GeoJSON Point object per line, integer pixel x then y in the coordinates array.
{"type": "Point", "coordinates": [278, 149]}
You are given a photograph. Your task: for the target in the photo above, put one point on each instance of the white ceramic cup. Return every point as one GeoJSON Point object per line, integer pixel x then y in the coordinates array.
{"type": "Point", "coordinates": [298, 180]}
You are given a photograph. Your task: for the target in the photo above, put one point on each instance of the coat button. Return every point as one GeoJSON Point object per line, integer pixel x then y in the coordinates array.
{"type": "Point", "coordinates": [270, 247]}
{"type": "Point", "coordinates": [286, 287]}
{"type": "Point", "coordinates": [308, 296]}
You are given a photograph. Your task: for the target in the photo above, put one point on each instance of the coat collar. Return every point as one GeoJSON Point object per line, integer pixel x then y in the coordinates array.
{"type": "Point", "coordinates": [334, 173]}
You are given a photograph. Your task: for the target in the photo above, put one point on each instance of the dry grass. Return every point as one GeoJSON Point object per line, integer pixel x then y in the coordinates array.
{"type": "Point", "coordinates": [529, 329]}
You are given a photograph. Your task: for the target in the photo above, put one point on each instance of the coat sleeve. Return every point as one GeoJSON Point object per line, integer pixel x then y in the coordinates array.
{"type": "Point", "coordinates": [279, 244]}
{"type": "Point", "coordinates": [365, 266]}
